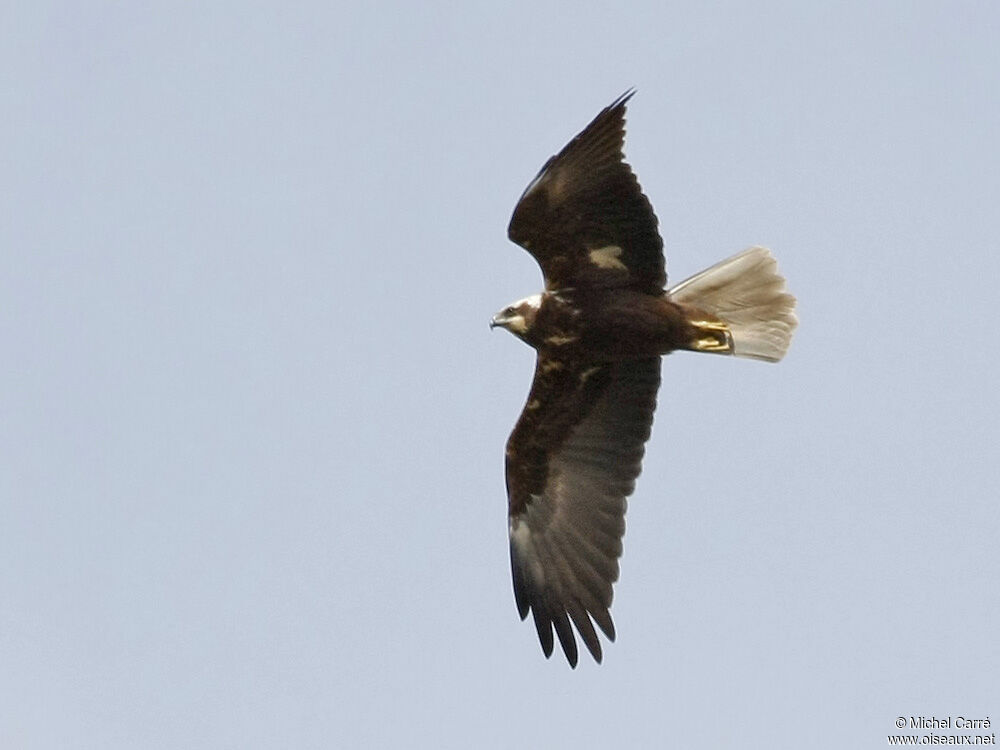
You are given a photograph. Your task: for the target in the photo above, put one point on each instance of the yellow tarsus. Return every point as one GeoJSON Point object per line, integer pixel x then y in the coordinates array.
{"type": "Point", "coordinates": [713, 336]}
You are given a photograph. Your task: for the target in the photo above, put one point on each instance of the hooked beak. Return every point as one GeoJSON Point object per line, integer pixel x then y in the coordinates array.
{"type": "Point", "coordinates": [500, 320]}
{"type": "Point", "coordinates": [510, 319]}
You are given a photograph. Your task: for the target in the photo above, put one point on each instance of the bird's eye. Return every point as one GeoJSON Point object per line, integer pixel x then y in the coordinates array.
{"type": "Point", "coordinates": [508, 311]}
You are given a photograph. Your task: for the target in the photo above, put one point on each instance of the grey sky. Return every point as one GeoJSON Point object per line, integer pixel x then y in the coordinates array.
{"type": "Point", "coordinates": [252, 416]}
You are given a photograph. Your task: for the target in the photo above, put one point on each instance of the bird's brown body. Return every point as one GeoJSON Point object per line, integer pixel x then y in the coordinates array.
{"type": "Point", "coordinates": [608, 325]}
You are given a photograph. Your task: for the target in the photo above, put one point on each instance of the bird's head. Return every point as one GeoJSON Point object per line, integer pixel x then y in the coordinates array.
{"type": "Point", "coordinates": [518, 317]}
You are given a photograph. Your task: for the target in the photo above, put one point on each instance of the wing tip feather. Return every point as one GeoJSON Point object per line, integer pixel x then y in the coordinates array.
{"type": "Point", "coordinates": [623, 99]}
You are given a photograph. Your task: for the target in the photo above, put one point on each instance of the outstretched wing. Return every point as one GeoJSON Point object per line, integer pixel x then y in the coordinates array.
{"type": "Point", "coordinates": [572, 460]}
{"type": "Point", "coordinates": [584, 217]}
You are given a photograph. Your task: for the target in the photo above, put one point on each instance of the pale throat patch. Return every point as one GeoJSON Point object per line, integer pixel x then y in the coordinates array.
{"type": "Point", "coordinates": [517, 325]}
{"type": "Point", "coordinates": [607, 257]}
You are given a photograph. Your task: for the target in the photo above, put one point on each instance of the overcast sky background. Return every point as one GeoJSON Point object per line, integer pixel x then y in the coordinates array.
{"type": "Point", "coordinates": [252, 417]}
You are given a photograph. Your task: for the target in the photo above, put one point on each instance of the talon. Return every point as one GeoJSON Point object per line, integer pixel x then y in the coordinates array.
{"type": "Point", "coordinates": [712, 336]}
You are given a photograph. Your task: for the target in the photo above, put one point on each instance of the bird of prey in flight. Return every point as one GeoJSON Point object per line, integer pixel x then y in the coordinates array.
{"type": "Point", "coordinates": [599, 328]}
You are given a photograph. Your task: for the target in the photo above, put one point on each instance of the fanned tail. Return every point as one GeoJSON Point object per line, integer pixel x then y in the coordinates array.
{"type": "Point", "coordinates": [746, 294]}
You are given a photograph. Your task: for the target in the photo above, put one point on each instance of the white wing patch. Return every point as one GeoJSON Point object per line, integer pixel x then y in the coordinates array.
{"type": "Point", "coordinates": [559, 340]}
{"type": "Point", "coordinates": [519, 533]}
{"type": "Point", "coordinates": [607, 257]}
{"type": "Point", "coordinates": [549, 365]}
{"type": "Point", "coordinates": [520, 536]}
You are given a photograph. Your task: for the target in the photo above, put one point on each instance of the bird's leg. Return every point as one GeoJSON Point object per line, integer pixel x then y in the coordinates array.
{"type": "Point", "coordinates": [710, 334]}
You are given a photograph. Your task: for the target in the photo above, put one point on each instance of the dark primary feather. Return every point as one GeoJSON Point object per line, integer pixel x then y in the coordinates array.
{"type": "Point", "coordinates": [586, 198]}
{"type": "Point", "coordinates": [571, 462]}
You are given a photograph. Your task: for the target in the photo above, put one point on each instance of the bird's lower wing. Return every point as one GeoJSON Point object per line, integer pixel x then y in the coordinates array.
{"type": "Point", "coordinates": [572, 461]}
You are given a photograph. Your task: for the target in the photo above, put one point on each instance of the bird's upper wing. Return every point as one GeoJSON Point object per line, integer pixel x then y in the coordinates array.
{"type": "Point", "coordinates": [584, 217]}
{"type": "Point", "coordinates": [572, 460]}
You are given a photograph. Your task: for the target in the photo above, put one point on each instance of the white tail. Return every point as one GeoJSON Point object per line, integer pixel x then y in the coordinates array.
{"type": "Point", "coordinates": [747, 293]}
